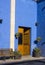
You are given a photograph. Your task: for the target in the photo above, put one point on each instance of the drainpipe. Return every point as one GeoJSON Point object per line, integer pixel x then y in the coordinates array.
{"type": "Point", "coordinates": [12, 24]}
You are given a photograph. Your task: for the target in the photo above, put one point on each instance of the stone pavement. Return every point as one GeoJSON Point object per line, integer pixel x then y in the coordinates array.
{"type": "Point", "coordinates": [23, 59]}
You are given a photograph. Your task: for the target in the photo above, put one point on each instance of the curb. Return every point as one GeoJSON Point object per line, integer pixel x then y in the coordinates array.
{"type": "Point", "coordinates": [27, 61]}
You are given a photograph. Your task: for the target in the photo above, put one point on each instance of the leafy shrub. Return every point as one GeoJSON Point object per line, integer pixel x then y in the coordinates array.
{"type": "Point", "coordinates": [37, 50]}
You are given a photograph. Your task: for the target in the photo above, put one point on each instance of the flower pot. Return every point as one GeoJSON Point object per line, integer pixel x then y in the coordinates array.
{"type": "Point", "coordinates": [36, 53]}
{"type": "Point", "coordinates": [17, 57]}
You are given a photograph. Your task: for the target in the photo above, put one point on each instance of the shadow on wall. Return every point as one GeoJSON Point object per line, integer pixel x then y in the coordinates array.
{"type": "Point", "coordinates": [43, 43]}
{"type": "Point", "coordinates": [43, 49]}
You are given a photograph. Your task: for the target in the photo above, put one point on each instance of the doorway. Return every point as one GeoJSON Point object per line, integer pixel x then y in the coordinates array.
{"type": "Point", "coordinates": [24, 40]}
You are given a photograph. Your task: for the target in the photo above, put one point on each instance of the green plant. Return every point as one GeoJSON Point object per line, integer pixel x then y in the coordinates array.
{"type": "Point", "coordinates": [17, 54]}
{"type": "Point", "coordinates": [38, 39]}
{"type": "Point", "coordinates": [17, 35]}
{"type": "Point", "coordinates": [37, 50]}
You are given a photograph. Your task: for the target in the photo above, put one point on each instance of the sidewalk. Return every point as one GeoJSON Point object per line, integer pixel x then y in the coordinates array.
{"type": "Point", "coordinates": [23, 59]}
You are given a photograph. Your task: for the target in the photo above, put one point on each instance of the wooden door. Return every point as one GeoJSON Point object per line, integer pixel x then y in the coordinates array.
{"type": "Point", "coordinates": [24, 43]}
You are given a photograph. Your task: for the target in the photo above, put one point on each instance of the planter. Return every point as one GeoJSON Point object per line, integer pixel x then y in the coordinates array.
{"type": "Point", "coordinates": [17, 57]}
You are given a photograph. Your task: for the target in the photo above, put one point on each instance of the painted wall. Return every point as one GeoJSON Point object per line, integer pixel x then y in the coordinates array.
{"type": "Point", "coordinates": [26, 15]}
{"type": "Point", "coordinates": [41, 25]}
{"type": "Point", "coordinates": [5, 26]}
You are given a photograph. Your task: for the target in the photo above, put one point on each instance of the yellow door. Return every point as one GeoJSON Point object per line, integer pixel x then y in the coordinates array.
{"type": "Point", "coordinates": [24, 40]}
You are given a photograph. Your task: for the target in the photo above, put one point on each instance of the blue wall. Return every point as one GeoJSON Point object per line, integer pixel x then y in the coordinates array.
{"type": "Point", "coordinates": [5, 26]}
{"type": "Point", "coordinates": [41, 25]}
{"type": "Point", "coordinates": [26, 15]}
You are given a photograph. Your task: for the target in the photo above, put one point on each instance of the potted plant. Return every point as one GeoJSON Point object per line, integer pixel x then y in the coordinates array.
{"type": "Point", "coordinates": [37, 40]}
{"type": "Point", "coordinates": [17, 35]}
{"type": "Point", "coordinates": [36, 52]}
{"type": "Point", "coordinates": [17, 55]}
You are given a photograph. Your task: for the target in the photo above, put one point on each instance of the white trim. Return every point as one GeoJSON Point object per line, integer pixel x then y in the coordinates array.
{"type": "Point", "coordinates": [12, 24]}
